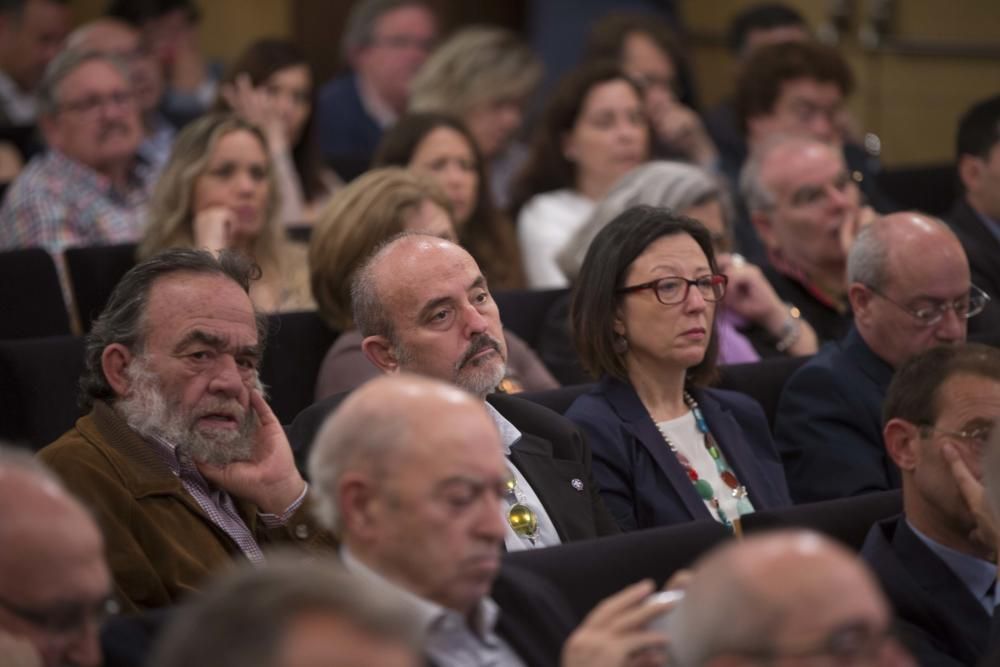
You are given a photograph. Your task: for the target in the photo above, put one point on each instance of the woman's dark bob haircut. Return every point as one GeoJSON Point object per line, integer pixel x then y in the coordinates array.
{"type": "Point", "coordinates": [595, 293]}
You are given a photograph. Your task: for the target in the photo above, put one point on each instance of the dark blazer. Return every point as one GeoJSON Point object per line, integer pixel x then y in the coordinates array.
{"type": "Point", "coordinates": [983, 250]}
{"type": "Point", "coordinates": [348, 136]}
{"type": "Point", "coordinates": [535, 619]}
{"type": "Point", "coordinates": [641, 480]}
{"type": "Point", "coordinates": [939, 619]}
{"type": "Point", "coordinates": [551, 454]}
{"type": "Point", "coordinates": [829, 424]}
{"type": "Point", "coordinates": [829, 323]}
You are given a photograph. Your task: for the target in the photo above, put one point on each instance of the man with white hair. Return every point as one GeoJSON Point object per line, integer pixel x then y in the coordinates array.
{"type": "Point", "coordinates": [910, 290]}
{"type": "Point", "coordinates": [54, 582]}
{"type": "Point", "coordinates": [180, 456]}
{"type": "Point", "coordinates": [786, 596]}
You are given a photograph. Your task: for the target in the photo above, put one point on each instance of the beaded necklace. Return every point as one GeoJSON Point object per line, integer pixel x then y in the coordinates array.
{"type": "Point", "coordinates": [726, 473]}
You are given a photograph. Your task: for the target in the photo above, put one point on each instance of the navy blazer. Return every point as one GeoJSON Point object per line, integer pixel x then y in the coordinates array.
{"type": "Point", "coordinates": [982, 249]}
{"type": "Point", "coordinates": [348, 136]}
{"type": "Point", "coordinates": [939, 619]}
{"type": "Point", "coordinates": [829, 424]}
{"type": "Point", "coordinates": [642, 482]}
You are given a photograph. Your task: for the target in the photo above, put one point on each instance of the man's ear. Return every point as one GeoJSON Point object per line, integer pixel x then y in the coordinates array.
{"type": "Point", "coordinates": [357, 506]}
{"type": "Point", "coordinates": [902, 443]}
{"type": "Point", "coordinates": [860, 297]}
{"type": "Point", "coordinates": [114, 362]}
{"type": "Point", "coordinates": [761, 221]}
{"type": "Point", "coordinates": [380, 352]}
{"type": "Point", "coordinates": [970, 170]}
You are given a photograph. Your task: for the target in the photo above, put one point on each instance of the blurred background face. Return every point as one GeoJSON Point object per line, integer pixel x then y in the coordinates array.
{"type": "Point", "coordinates": [235, 178]}
{"type": "Point", "coordinates": [29, 42]}
{"type": "Point", "coordinates": [712, 216]}
{"type": "Point", "coordinates": [429, 218]}
{"type": "Point", "coordinates": [610, 136]}
{"type": "Point", "coordinates": [651, 67]}
{"type": "Point", "coordinates": [493, 124]}
{"type": "Point", "coordinates": [804, 107]}
{"type": "Point", "coordinates": [123, 42]}
{"type": "Point", "coordinates": [290, 91]}
{"type": "Point", "coordinates": [401, 41]}
{"type": "Point", "coordinates": [447, 157]}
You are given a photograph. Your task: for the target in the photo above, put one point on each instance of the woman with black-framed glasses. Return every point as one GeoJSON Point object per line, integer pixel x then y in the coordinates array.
{"type": "Point", "coordinates": [666, 449]}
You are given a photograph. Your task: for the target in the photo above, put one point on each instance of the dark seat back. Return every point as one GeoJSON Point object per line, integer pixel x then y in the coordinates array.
{"type": "Point", "coordinates": [558, 399]}
{"type": "Point", "coordinates": [94, 271]}
{"type": "Point", "coordinates": [845, 519]}
{"type": "Point", "coordinates": [31, 300]}
{"type": "Point", "coordinates": [523, 310]}
{"type": "Point", "coordinates": [39, 381]}
{"type": "Point", "coordinates": [297, 343]}
{"type": "Point", "coordinates": [762, 381]}
{"type": "Point", "coordinates": [587, 572]}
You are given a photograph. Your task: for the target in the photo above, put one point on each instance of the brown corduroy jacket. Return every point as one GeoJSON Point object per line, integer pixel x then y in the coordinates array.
{"type": "Point", "coordinates": [160, 544]}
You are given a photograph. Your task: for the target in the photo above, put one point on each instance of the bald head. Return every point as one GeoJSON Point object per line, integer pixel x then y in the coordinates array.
{"type": "Point", "coordinates": [909, 285]}
{"type": "Point", "coordinates": [802, 589]}
{"type": "Point", "coordinates": [58, 563]}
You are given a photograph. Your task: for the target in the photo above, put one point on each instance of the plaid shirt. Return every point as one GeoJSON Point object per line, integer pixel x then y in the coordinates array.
{"type": "Point", "coordinates": [57, 202]}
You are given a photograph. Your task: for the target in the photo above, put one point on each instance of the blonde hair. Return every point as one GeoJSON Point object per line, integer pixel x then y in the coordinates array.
{"type": "Point", "coordinates": [373, 208]}
{"type": "Point", "coordinates": [171, 218]}
{"type": "Point", "coordinates": [475, 65]}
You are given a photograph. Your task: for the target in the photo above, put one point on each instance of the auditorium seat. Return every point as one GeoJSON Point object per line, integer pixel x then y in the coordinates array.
{"type": "Point", "coordinates": [523, 311]}
{"type": "Point", "coordinates": [38, 388]}
{"type": "Point", "coordinates": [763, 380]}
{"type": "Point", "coordinates": [297, 343]}
{"type": "Point", "coordinates": [94, 271]}
{"type": "Point", "coordinates": [31, 299]}
{"type": "Point", "coordinates": [558, 399]}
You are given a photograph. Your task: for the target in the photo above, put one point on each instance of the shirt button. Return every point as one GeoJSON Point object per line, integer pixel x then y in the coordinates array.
{"type": "Point", "coordinates": [301, 531]}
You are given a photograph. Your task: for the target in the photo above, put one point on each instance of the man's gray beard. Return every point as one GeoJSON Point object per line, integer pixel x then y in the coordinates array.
{"type": "Point", "coordinates": [479, 378]}
{"type": "Point", "coordinates": [148, 412]}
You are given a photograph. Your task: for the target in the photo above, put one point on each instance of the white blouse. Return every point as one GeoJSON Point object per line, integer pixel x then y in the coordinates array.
{"type": "Point", "coordinates": [545, 225]}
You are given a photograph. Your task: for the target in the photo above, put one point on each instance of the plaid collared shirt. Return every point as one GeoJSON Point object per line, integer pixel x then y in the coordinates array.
{"type": "Point", "coordinates": [57, 202]}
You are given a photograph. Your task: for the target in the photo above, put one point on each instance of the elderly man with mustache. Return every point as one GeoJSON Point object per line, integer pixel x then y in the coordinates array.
{"type": "Point", "coordinates": [180, 458]}
{"type": "Point", "coordinates": [423, 306]}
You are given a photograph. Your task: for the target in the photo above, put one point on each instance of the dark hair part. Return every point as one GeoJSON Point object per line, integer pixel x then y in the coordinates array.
{"type": "Point", "coordinates": [915, 391]}
{"type": "Point", "coordinates": [259, 61]}
{"type": "Point", "coordinates": [140, 12]}
{"type": "Point", "coordinates": [595, 297]}
{"type": "Point", "coordinates": [123, 320]}
{"type": "Point", "coordinates": [979, 129]}
{"type": "Point", "coordinates": [759, 83]}
{"type": "Point", "coordinates": [487, 235]}
{"type": "Point", "coordinates": [243, 620]}
{"type": "Point", "coordinates": [760, 17]}
{"type": "Point", "coordinates": [606, 41]}
{"type": "Point", "coordinates": [547, 168]}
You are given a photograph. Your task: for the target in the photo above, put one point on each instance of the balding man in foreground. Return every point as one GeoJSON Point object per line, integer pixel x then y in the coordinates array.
{"type": "Point", "coordinates": [782, 598]}
{"type": "Point", "coordinates": [909, 286]}
{"type": "Point", "coordinates": [54, 583]}
{"type": "Point", "coordinates": [411, 477]}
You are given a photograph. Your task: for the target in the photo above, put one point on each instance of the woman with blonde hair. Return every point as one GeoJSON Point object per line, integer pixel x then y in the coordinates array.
{"type": "Point", "coordinates": [371, 209]}
{"type": "Point", "coordinates": [484, 76]}
{"type": "Point", "coordinates": [218, 191]}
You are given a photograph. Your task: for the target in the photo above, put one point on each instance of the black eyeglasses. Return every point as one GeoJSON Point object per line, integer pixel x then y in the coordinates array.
{"type": "Point", "coordinates": [64, 618]}
{"type": "Point", "coordinates": [929, 315]}
{"type": "Point", "coordinates": [672, 290]}
{"type": "Point", "coordinates": [846, 645]}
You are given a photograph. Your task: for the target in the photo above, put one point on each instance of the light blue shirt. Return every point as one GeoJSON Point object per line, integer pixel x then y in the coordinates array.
{"type": "Point", "coordinates": [978, 575]}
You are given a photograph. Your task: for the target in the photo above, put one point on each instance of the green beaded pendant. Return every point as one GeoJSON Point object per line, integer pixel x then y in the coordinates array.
{"type": "Point", "coordinates": [704, 489]}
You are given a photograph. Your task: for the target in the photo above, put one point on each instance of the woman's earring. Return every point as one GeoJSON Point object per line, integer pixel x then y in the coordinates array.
{"type": "Point", "coordinates": [620, 345]}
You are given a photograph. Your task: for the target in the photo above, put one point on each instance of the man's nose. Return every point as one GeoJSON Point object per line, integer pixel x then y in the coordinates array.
{"type": "Point", "coordinates": [227, 379]}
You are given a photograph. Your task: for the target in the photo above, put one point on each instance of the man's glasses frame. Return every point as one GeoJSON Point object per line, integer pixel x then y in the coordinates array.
{"type": "Point", "coordinates": [928, 316]}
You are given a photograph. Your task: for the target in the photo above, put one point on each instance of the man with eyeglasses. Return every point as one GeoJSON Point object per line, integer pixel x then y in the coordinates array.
{"type": "Point", "coordinates": [423, 306]}
{"type": "Point", "coordinates": [55, 585]}
{"type": "Point", "coordinates": [910, 290]}
{"type": "Point", "coordinates": [384, 44]}
{"type": "Point", "coordinates": [937, 561]}
{"type": "Point", "coordinates": [410, 475]}
{"type": "Point", "coordinates": [785, 598]}
{"type": "Point", "coordinates": [88, 188]}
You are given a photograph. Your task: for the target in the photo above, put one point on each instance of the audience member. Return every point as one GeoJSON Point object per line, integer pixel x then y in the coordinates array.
{"type": "Point", "coordinates": [180, 457]}
{"type": "Point", "coordinates": [751, 304]}
{"type": "Point", "coordinates": [756, 26]}
{"type": "Point", "coordinates": [593, 132]}
{"type": "Point", "coordinates": [170, 32]}
{"type": "Point", "coordinates": [976, 215]}
{"type": "Point", "coordinates": [910, 291]}
{"type": "Point", "coordinates": [412, 479]}
{"type": "Point", "coordinates": [938, 571]}
{"type": "Point", "coordinates": [422, 306]}
{"type": "Point", "coordinates": [219, 191]}
{"type": "Point", "coordinates": [89, 188]}
{"type": "Point", "coordinates": [485, 76]}
{"type": "Point", "coordinates": [648, 52]}
{"type": "Point", "coordinates": [441, 147]}
{"type": "Point", "coordinates": [118, 39]}
{"type": "Point", "coordinates": [384, 44]}
{"type": "Point", "coordinates": [31, 34]}
{"type": "Point", "coordinates": [807, 210]}
{"type": "Point", "coordinates": [271, 85]}
{"type": "Point", "coordinates": [372, 209]}
{"type": "Point", "coordinates": [291, 613]}
{"type": "Point", "coordinates": [666, 450]}
{"type": "Point", "coordinates": [802, 599]}
{"type": "Point", "coordinates": [54, 582]}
